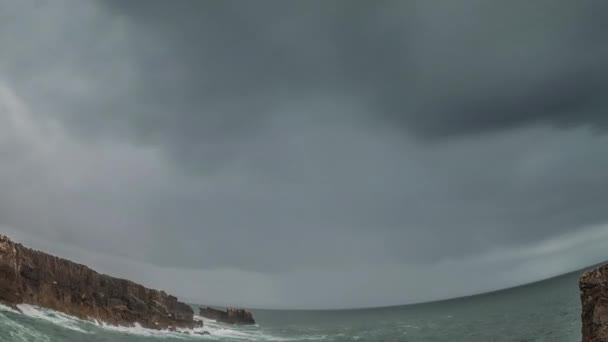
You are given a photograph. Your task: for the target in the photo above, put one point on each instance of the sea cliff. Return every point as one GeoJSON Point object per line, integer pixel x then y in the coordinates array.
{"type": "Point", "coordinates": [32, 277]}
{"type": "Point", "coordinates": [594, 300]}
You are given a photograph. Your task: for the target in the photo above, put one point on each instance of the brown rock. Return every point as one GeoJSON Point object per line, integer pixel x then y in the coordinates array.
{"type": "Point", "coordinates": [230, 316]}
{"type": "Point", "coordinates": [32, 277]}
{"type": "Point", "coordinates": [594, 299]}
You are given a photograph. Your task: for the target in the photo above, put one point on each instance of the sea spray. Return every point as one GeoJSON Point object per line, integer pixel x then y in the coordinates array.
{"type": "Point", "coordinates": [104, 332]}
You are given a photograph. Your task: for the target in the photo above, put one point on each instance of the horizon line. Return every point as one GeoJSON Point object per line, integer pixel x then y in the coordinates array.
{"type": "Point", "coordinates": [434, 301]}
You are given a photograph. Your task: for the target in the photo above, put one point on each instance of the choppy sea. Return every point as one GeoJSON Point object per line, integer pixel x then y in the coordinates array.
{"type": "Point", "coordinates": [544, 311]}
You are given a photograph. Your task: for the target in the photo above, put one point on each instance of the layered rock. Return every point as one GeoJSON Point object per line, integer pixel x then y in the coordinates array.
{"type": "Point", "coordinates": [230, 316]}
{"type": "Point", "coordinates": [32, 277]}
{"type": "Point", "coordinates": [594, 299]}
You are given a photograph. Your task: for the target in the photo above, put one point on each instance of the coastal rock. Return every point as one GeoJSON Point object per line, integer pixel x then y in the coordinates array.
{"type": "Point", "coordinates": [594, 299]}
{"type": "Point", "coordinates": [32, 277]}
{"type": "Point", "coordinates": [230, 316]}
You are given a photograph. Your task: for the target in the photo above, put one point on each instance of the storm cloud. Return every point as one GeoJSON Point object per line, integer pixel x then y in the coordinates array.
{"type": "Point", "coordinates": [309, 149]}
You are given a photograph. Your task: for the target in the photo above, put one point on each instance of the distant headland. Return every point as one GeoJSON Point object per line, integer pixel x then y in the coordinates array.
{"type": "Point", "coordinates": [230, 316]}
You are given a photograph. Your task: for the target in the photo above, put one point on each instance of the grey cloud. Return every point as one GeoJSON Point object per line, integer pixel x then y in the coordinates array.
{"type": "Point", "coordinates": [296, 139]}
{"type": "Point", "coordinates": [483, 66]}
{"type": "Point", "coordinates": [202, 73]}
{"type": "Point", "coordinates": [440, 69]}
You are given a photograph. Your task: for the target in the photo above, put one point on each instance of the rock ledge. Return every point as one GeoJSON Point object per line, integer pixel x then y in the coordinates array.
{"type": "Point", "coordinates": [230, 316]}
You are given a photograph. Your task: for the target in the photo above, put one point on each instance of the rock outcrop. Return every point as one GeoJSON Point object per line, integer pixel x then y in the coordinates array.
{"type": "Point", "coordinates": [32, 277]}
{"type": "Point", "coordinates": [594, 299]}
{"type": "Point", "coordinates": [230, 316]}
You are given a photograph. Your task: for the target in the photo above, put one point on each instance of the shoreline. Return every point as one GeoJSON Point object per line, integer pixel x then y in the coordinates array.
{"type": "Point", "coordinates": [36, 278]}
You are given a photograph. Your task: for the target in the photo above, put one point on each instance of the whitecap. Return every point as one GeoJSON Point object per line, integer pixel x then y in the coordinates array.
{"type": "Point", "coordinates": [76, 324]}
{"type": "Point", "coordinates": [217, 330]}
{"type": "Point", "coordinates": [19, 332]}
{"type": "Point", "coordinates": [138, 330]}
{"type": "Point", "coordinates": [249, 332]}
{"type": "Point", "coordinates": [66, 321]}
{"type": "Point", "coordinates": [8, 309]}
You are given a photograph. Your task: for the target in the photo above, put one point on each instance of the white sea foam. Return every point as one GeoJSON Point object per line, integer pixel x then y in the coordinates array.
{"type": "Point", "coordinates": [18, 332]}
{"type": "Point", "coordinates": [66, 321]}
{"type": "Point", "coordinates": [138, 330]}
{"type": "Point", "coordinates": [8, 309]}
{"type": "Point", "coordinates": [217, 330]}
{"type": "Point", "coordinates": [247, 333]}
{"type": "Point", "coordinates": [76, 324]}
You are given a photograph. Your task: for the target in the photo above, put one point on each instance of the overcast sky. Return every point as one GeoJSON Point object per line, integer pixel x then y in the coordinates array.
{"type": "Point", "coordinates": [310, 154]}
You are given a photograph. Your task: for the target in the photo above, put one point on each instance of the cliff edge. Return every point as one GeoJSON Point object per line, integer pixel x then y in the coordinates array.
{"type": "Point", "coordinates": [594, 300]}
{"type": "Point", "coordinates": [32, 277]}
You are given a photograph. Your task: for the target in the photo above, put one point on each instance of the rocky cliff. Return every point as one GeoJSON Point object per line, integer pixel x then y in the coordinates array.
{"type": "Point", "coordinates": [32, 277]}
{"type": "Point", "coordinates": [230, 316]}
{"type": "Point", "coordinates": [594, 299]}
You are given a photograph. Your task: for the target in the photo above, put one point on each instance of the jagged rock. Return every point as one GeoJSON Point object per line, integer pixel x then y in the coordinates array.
{"type": "Point", "coordinates": [32, 277]}
{"type": "Point", "coordinates": [594, 300]}
{"type": "Point", "coordinates": [230, 316]}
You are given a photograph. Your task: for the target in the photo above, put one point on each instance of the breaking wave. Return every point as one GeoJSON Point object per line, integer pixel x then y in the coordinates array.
{"type": "Point", "coordinates": [51, 316]}
{"type": "Point", "coordinates": [23, 325]}
{"type": "Point", "coordinates": [9, 328]}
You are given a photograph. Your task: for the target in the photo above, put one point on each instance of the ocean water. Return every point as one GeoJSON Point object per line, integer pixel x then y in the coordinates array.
{"type": "Point", "coordinates": [545, 311]}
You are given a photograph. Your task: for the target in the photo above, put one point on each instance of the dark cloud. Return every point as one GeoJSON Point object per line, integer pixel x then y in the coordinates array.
{"type": "Point", "coordinates": [438, 69]}
{"type": "Point", "coordinates": [288, 142]}
{"type": "Point", "coordinates": [202, 73]}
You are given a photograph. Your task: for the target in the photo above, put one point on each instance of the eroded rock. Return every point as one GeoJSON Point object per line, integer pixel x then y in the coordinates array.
{"type": "Point", "coordinates": [594, 300]}
{"type": "Point", "coordinates": [32, 277]}
{"type": "Point", "coordinates": [230, 316]}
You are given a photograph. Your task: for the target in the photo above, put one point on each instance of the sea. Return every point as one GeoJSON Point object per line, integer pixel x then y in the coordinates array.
{"type": "Point", "coordinates": [544, 311]}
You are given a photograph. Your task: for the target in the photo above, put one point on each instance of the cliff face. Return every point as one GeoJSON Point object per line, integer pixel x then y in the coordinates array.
{"type": "Point", "coordinates": [594, 299]}
{"type": "Point", "coordinates": [32, 277]}
{"type": "Point", "coordinates": [230, 316]}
